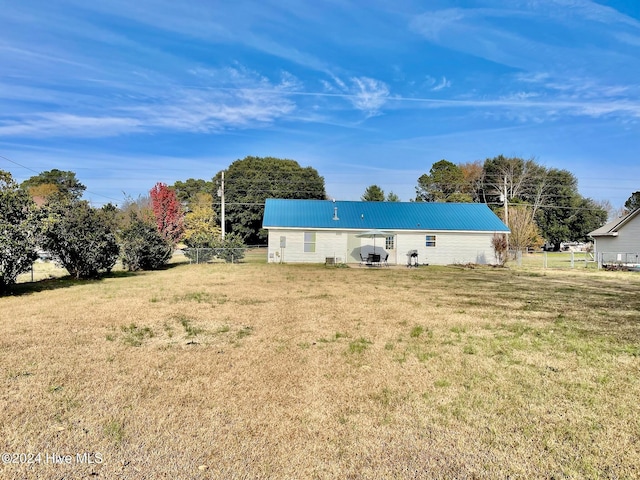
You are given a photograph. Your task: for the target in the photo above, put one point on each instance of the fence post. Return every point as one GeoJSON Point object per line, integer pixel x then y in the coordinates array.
{"type": "Point", "coordinates": [572, 259]}
{"type": "Point", "coordinates": [544, 260]}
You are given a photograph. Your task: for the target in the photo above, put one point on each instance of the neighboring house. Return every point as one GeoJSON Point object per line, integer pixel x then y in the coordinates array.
{"type": "Point", "coordinates": [618, 241]}
{"type": "Point", "coordinates": [312, 231]}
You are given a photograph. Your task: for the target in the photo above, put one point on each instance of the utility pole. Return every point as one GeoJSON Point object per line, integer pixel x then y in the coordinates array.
{"type": "Point", "coordinates": [506, 203]}
{"type": "Point", "coordinates": [505, 199]}
{"type": "Point", "coordinates": [221, 195]}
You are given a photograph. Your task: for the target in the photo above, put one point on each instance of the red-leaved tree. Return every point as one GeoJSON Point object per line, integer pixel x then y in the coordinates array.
{"type": "Point", "coordinates": [168, 212]}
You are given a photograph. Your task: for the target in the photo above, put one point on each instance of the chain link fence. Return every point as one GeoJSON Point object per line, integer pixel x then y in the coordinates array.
{"type": "Point", "coordinates": [207, 255]}
{"type": "Point", "coordinates": [553, 260]}
{"type": "Point", "coordinates": [619, 260]}
{"type": "Point", "coordinates": [249, 254]}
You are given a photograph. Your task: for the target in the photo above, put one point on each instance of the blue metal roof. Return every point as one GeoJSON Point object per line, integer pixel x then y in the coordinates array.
{"type": "Point", "coordinates": [381, 215]}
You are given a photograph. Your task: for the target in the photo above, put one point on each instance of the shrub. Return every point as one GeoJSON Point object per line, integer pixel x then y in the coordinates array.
{"type": "Point", "coordinates": [78, 238]}
{"type": "Point", "coordinates": [143, 247]}
{"type": "Point", "coordinates": [500, 247]}
{"type": "Point", "coordinates": [230, 249]}
{"type": "Point", "coordinates": [19, 227]}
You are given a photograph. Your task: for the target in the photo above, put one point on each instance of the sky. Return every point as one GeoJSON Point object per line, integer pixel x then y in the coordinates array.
{"type": "Point", "coordinates": [129, 93]}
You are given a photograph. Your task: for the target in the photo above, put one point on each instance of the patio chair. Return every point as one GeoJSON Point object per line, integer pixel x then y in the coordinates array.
{"type": "Point", "coordinates": [385, 262]}
{"type": "Point", "coordinates": [363, 261]}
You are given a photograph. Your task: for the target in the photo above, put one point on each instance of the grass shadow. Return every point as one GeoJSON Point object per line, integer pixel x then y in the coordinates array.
{"type": "Point", "coordinates": [67, 281]}
{"type": "Point", "coordinates": [47, 284]}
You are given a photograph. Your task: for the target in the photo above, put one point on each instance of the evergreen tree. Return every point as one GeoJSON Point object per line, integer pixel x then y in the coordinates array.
{"type": "Point", "coordinates": [79, 238]}
{"type": "Point", "coordinates": [19, 231]}
{"type": "Point", "coordinates": [373, 193]}
{"type": "Point", "coordinates": [249, 182]}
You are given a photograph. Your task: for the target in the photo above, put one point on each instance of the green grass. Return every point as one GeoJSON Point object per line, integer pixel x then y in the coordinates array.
{"type": "Point", "coordinates": [359, 346]}
{"type": "Point", "coordinates": [199, 297]}
{"type": "Point", "coordinates": [555, 260]}
{"type": "Point", "coordinates": [189, 330]}
{"type": "Point", "coordinates": [416, 331]}
{"type": "Point", "coordinates": [114, 430]}
{"type": "Point", "coordinates": [244, 332]}
{"type": "Point", "coordinates": [134, 335]}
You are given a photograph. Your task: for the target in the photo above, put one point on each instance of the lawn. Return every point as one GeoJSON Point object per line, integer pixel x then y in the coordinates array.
{"type": "Point", "coordinates": [539, 260]}
{"type": "Point", "coordinates": [285, 371]}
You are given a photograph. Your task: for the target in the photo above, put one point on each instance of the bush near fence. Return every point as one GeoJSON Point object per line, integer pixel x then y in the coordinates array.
{"type": "Point", "coordinates": [206, 255]}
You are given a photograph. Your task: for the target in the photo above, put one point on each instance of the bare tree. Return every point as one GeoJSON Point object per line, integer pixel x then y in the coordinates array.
{"type": "Point", "coordinates": [524, 231]}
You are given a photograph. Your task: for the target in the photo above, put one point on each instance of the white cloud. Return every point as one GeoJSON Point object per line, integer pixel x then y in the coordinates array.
{"type": "Point", "coordinates": [368, 94]}
{"type": "Point", "coordinates": [444, 83]}
{"type": "Point", "coordinates": [365, 94]}
{"type": "Point", "coordinates": [536, 35]}
{"type": "Point", "coordinates": [339, 82]}
{"type": "Point", "coordinates": [187, 111]}
{"type": "Point", "coordinates": [532, 77]}
{"type": "Point", "coordinates": [326, 86]}
{"type": "Point", "coordinates": [53, 124]}
{"type": "Point", "coordinates": [521, 96]}
{"type": "Point", "coordinates": [232, 97]}
{"type": "Point", "coordinates": [436, 85]}
{"type": "Point", "coordinates": [576, 87]}
{"type": "Point", "coordinates": [585, 9]}
{"type": "Point", "coordinates": [431, 24]}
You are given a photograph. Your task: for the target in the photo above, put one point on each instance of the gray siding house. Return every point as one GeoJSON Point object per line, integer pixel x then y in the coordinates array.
{"type": "Point", "coordinates": [618, 242]}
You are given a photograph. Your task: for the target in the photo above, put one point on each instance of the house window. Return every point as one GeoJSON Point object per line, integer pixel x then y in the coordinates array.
{"type": "Point", "coordinates": [430, 241]}
{"type": "Point", "coordinates": [389, 243]}
{"type": "Point", "coordinates": [310, 242]}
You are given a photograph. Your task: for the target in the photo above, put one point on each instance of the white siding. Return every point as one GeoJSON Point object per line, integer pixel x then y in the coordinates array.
{"type": "Point", "coordinates": [451, 247]}
{"type": "Point", "coordinates": [328, 244]}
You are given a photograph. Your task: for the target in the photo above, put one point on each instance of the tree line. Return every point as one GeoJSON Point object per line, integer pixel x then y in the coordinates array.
{"type": "Point", "coordinates": [543, 205]}
{"type": "Point", "coordinates": [539, 204]}
{"type": "Point", "coordinates": [46, 211]}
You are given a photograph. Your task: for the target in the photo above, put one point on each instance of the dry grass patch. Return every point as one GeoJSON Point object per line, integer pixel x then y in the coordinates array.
{"type": "Point", "coordinates": [282, 371]}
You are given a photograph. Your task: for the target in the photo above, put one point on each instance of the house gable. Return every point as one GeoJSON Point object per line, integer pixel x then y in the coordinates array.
{"type": "Point", "coordinates": [618, 241]}
{"type": "Point", "coordinates": [613, 228]}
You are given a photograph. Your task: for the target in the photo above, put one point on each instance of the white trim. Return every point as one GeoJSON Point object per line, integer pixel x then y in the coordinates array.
{"type": "Point", "coordinates": [348, 230]}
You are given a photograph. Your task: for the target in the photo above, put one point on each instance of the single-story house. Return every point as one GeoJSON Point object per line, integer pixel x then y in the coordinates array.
{"type": "Point", "coordinates": [618, 242]}
{"type": "Point", "coordinates": [312, 231]}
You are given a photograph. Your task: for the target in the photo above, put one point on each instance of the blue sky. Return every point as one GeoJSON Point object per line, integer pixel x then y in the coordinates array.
{"type": "Point", "coordinates": [129, 93]}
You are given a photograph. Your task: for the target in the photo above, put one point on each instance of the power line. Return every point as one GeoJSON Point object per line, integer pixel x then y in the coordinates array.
{"type": "Point", "coordinates": [16, 163]}
{"type": "Point", "coordinates": [35, 171]}
{"type": "Point", "coordinates": [530, 182]}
